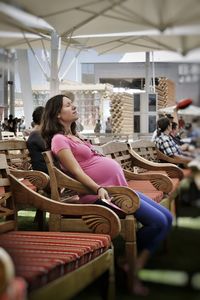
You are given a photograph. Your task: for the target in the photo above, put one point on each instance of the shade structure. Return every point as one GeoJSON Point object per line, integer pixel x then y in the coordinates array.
{"type": "Point", "coordinates": [137, 43]}
{"type": "Point", "coordinates": [16, 27]}
{"type": "Point", "coordinates": [94, 16]}
{"type": "Point", "coordinates": [176, 23]}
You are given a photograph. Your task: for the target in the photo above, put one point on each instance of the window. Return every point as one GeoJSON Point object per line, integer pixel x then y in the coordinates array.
{"type": "Point", "coordinates": [88, 68]}
{"type": "Point", "coordinates": [152, 102]}
{"type": "Point", "coordinates": [152, 123]}
{"type": "Point", "coordinates": [136, 98]}
{"type": "Point", "coordinates": [136, 120]}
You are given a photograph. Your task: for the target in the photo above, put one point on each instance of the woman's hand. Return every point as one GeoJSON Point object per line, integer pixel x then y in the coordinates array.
{"type": "Point", "coordinates": [103, 194]}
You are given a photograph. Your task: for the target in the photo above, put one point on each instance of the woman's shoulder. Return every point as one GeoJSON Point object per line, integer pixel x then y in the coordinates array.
{"type": "Point", "coordinates": [59, 138]}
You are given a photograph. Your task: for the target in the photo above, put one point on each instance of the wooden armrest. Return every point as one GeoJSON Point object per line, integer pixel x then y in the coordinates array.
{"type": "Point", "coordinates": [160, 181]}
{"type": "Point", "coordinates": [123, 197]}
{"type": "Point", "coordinates": [37, 178]}
{"type": "Point", "coordinates": [175, 159]}
{"type": "Point", "coordinates": [172, 170]}
{"type": "Point", "coordinates": [98, 218]}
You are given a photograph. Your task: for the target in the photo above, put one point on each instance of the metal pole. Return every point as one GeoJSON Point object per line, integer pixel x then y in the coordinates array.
{"type": "Point", "coordinates": [11, 82]}
{"type": "Point", "coordinates": [25, 82]}
{"type": "Point", "coordinates": [55, 61]}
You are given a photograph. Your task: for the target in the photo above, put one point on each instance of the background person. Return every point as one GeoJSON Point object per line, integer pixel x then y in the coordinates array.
{"type": "Point", "coordinates": [108, 126]}
{"type": "Point", "coordinates": [35, 142]}
{"type": "Point", "coordinates": [97, 127]}
{"type": "Point", "coordinates": [165, 143]}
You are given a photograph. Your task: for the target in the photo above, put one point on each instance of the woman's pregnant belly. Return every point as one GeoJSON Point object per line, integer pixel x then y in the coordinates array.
{"type": "Point", "coordinates": [104, 171]}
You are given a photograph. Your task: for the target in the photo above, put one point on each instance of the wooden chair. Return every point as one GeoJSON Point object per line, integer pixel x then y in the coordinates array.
{"type": "Point", "coordinates": [7, 135]}
{"type": "Point", "coordinates": [54, 265]}
{"type": "Point", "coordinates": [17, 154]}
{"type": "Point", "coordinates": [18, 158]}
{"type": "Point", "coordinates": [123, 197]}
{"type": "Point", "coordinates": [147, 150]}
{"type": "Point", "coordinates": [156, 185]}
{"type": "Point", "coordinates": [147, 158]}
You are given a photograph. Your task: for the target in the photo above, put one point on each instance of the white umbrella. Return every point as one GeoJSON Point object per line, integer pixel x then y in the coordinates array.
{"type": "Point", "coordinates": [94, 16]}
{"type": "Point", "coordinates": [142, 41]}
{"type": "Point", "coordinates": [191, 110]}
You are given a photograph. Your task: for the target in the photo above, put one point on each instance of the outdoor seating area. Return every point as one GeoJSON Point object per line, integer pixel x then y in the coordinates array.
{"type": "Point", "coordinates": [99, 150]}
{"type": "Point", "coordinates": [158, 180]}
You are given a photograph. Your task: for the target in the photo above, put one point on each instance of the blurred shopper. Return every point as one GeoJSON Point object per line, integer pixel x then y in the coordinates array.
{"type": "Point", "coordinates": [97, 127]}
{"type": "Point", "coordinates": [108, 126]}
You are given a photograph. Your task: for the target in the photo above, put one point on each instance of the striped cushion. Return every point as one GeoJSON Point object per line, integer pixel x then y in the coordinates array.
{"type": "Point", "coordinates": [146, 188]}
{"type": "Point", "coordinates": [41, 257]}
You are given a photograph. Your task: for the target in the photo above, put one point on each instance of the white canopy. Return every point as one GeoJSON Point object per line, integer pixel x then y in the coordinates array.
{"type": "Point", "coordinates": [94, 16]}
{"type": "Point", "coordinates": [141, 42]}
{"type": "Point", "coordinates": [78, 17]}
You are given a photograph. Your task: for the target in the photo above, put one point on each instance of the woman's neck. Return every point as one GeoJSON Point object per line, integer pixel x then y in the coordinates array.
{"type": "Point", "coordinates": [166, 132]}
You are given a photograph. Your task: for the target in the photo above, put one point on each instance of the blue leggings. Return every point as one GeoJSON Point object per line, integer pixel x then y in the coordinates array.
{"type": "Point", "coordinates": [156, 221]}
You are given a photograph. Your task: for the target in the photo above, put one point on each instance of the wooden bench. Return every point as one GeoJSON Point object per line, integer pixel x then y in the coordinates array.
{"type": "Point", "coordinates": [54, 265]}
{"type": "Point", "coordinates": [157, 186]}
{"type": "Point", "coordinates": [147, 150]}
{"type": "Point", "coordinates": [7, 135]}
{"type": "Point", "coordinates": [123, 197]}
{"type": "Point", "coordinates": [147, 159]}
{"type": "Point", "coordinates": [18, 157]}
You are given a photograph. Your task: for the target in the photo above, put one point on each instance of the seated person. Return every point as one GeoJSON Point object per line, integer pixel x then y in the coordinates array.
{"type": "Point", "coordinates": [192, 132]}
{"type": "Point", "coordinates": [165, 143]}
{"type": "Point", "coordinates": [186, 148]}
{"type": "Point", "coordinates": [35, 142]}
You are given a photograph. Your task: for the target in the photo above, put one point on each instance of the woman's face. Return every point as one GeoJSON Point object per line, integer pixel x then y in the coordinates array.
{"type": "Point", "coordinates": [68, 113]}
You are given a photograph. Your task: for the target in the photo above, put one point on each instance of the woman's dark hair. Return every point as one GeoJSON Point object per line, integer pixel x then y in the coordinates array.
{"type": "Point", "coordinates": [37, 115]}
{"type": "Point", "coordinates": [174, 125]}
{"type": "Point", "coordinates": [162, 125]}
{"type": "Point", "coordinates": [51, 125]}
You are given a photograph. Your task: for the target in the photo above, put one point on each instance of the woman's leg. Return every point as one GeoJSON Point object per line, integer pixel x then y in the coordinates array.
{"type": "Point", "coordinates": [156, 221]}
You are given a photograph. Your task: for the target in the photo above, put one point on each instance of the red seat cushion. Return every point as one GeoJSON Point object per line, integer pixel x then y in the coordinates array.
{"type": "Point", "coordinates": [41, 257]}
{"type": "Point", "coordinates": [146, 188]}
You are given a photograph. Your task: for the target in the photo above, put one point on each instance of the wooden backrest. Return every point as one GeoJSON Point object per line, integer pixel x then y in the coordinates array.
{"type": "Point", "coordinates": [145, 149]}
{"type": "Point", "coordinates": [62, 188]}
{"type": "Point", "coordinates": [49, 160]}
{"type": "Point", "coordinates": [120, 152]}
{"type": "Point", "coordinates": [17, 154]}
{"type": "Point", "coordinates": [7, 207]}
{"type": "Point", "coordinates": [7, 135]}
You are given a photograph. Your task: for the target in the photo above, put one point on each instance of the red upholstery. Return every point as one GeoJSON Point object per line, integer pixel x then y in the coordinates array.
{"type": "Point", "coordinates": [41, 257]}
{"type": "Point", "coordinates": [146, 188]}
